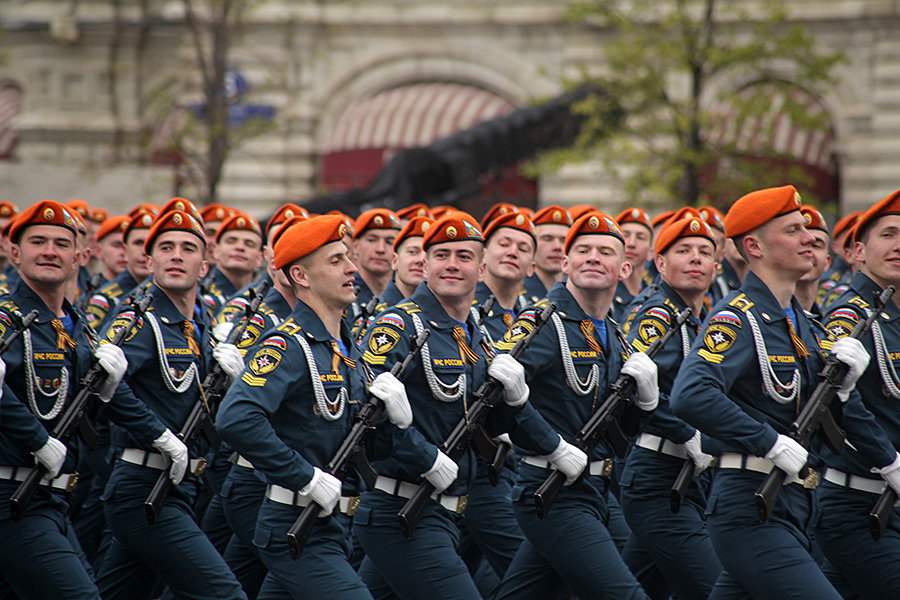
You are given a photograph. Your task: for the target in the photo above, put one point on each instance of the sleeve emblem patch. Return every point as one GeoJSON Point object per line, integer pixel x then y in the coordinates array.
{"type": "Point", "coordinates": [123, 320]}
{"type": "Point", "coordinates": [650, 329]}
{"type": "Point", "coordinates": [718, 337]}
{"type": "Point", "coordinates": [382, 340]}
{"type": "Point", "coordinates": [264, 361]}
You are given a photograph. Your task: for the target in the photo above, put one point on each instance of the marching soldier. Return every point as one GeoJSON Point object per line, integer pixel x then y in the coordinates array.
{"type": "Point", "coordinates": [851, 486]}
{"type": "Point", "coordinates": [373, 237]}
{"type": "Point", "coordinates": [111, 247]}
{"type": "Point", "coordinates": [635, 226]}
{"type": "Point", "coordinates": [294, 404]}
{"type": "Point", "coordinates": [808, 285]}
{"type": "Point", "coordinates": [41, 557]}
{"type": "Point", "coordinates": [570, 366]}
{"type": "Point", "coordinates": [678, 543]}
{"type": "Point", "coordinates": [169, 354]}
{"type": "Point", "coordinates": [239, 253]}
{"type": "Point", "coordinates": [551, 225]}
{"type": "Point", "coordinates": [759, 339]}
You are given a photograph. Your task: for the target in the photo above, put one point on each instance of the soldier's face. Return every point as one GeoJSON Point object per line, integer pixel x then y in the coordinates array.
{"type": "Point", "coordinates": [551, 242]}
{"type": "Point", "coordinates": [409, 262]}
{"type": "Point", "coordinates": [596, 262]}
{"type": "Point", "coordinates": [688, 265]}
{"type": "Point", "coordinates": [453, 269]}
{"type": "Point", "coordinates": [328, 275]}
{"type": "Point", "coordinates": [135, 255]}
{"type": "Point", "coordinates": [177, 260]}
{"type": "Point", "coordinates": [375, 250]}
{"type": "Point", "coordinates": [821, 258]}
{"type": "Point", "coordinates": [509, 255]}
{"type": "Point", "coordinates": [112, 252]}
{"type": "Point", "coordinates": [239, 251]}
{"type": "Point", "coordinates": [637, 243]}
{"type": "Point", "coordinates": [880, 252]}
{"type": "Point", "coordinates": [46, 255]}
{"type": "Point", "coordinates": [786, 244]}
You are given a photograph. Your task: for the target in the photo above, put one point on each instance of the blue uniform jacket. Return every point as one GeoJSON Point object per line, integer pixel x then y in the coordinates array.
{"type": "Point", "coordinates": [414, 450]}
{"type": "Point", "coordinates": [653, 319]}
{"type": "Point", "coordinates": [719, 387]}
{"type": "Point", "coordinates": [271, 416]}
{"type": "Point", "coordinates": [843, 316]}
{"type": "Point", "coordinates": [534, 288]}
{"type": "Point", "coordinates": [106, 300]}
{"type": "Point", "coordinates": [493, 321]}
{"type": "Point", "coordinates": [220, 291]}
{"type": "Point", "coordinates": [273, 310]}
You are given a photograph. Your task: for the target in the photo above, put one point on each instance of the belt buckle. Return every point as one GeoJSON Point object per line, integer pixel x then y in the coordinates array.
{"type": "Point", "coordinates": [607, 467]}
{"type": "Point", "coordinates": [812, 480]}
{"type": "Point", "coordinates": [352, 506]}
{"type": "Point", "coordinates": [461, 504]}
{"type": "Point", "coordinates": [201, 467]}
{"type": "Point", "coordinates": [70, 485]}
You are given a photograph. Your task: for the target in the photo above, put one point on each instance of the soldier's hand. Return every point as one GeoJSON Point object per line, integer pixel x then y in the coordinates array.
{"type": "Point", "coordinates": [568, 459]}
{"type": "Point", "coordinates": [643, 369]}
{"type": "Point", "coordinates": [389, 389]}
{"type": "Point", "coordinates": [852, 353]}
{"type": "Point", "coordinates": [891, 474]}
{"type": "Point", "coordinates": [229, 358]}
{"type": "Point", "coordinates": [169, 445]}
{"type": "Point", "coordinates": [695, 452]}
{"type": "Point", "coordinates": [510, 372]}
{"type": "Point", "coordinates": [52, 455]}
{"type": "Point", "coordinates": [113, 361]}
{"type": "Point", "coordinates": [788, 455]}
{"type": "Point", "coordinates": [442, 473]}
{"type": "Point", "coordinates": [324, 489]}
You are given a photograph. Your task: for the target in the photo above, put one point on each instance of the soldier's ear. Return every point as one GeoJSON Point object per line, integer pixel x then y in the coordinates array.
{"type": "Point", "coordinates": [660, 262]}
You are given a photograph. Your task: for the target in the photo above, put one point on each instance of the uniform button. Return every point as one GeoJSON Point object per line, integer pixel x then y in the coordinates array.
{"type": "Point", "coordinates": [432, 323]}
{"type": "Point", "coordinates": [766, 316]}
{"type": "Point", "coordinates": [165, 320]}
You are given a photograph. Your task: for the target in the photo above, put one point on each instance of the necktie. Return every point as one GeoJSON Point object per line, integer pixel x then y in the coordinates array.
{"type": "Point", "coordinates": [465, 352]}
{"type": "Point", "coordinates": [63, 338]}
{"type": "Point", "coordinates": [588, 329]}
{"type": "Point", "coordinates": [337, 357]}
{"type": "Point", "coordinates": [191, 342]}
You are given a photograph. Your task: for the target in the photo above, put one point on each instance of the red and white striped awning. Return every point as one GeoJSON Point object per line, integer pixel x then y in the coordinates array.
{"type": "Point", "coordinates": [774, 131]}
{"type": "Point", "coordinates": [10, 106]}
{"type": "Point", "coordinates": [413, 115]}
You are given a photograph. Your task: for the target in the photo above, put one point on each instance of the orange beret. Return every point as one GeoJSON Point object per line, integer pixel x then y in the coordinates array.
{"type": "Point", "coordinates": [882, 208]}
{"type": "Point", "coordinates": [635, 215]}
{"type": "Point", "coordinates": [414, 210]}
{"type": "Point", "coordinates": [284, 213]}
{"type": "Point", "coordinates": [552, 215]}
{"type": "Point", "coordinates": [497, 210]}
{"type": "Point", "coordinates": [377, 218]}
{"type": "Point", "coordinates": [239, 222]}
{"type": "Point", "coordinates": [174, 220]}
{"type": "Point", "coordinates": [661, 218]}
{"type": "Point", "coordinates": [141, 220]}
{"type": "Point", "coordinates": [284, 225]}
{"type": "Point", "coordinates": [713, 217]}
{"type": "Point", "coordinates": [579, 210]}
{"type": "Point", "coordinates": [8, 227]}
{"type": "Point", "coordinates": [152, 209]}
{"type": "Point", "coordinates": [216, 212]}
{"type": "Point", "coordinates": [416, 227]}
{"type": "Point", "coordinates": [183, 205]}
{"type": "Point", "coordinates": [451, 228]}
{"type": "Point", "coordinates": [516, 221]}
{"type": "Point", "coordinates": [79, 223]}
{"type": "Point", "coordinates": [99, 215]}
{"type": "Point", "coordinates": [80, 206]}
{"type": "Point", "coordinates": [45, 212]}
{"type": "Point", "coordinates": [759, 207]}
{"type": "Point", "coordinates": [306, 236]}
{"type": "Point", "coordinates": [526, 211]}
{"type": "Point", "coordinates": [8, 209]}
{"type": "Point", "coordinates": [847, 223]}
{"type": "Point", "coordinates": [684, 212]}
{"type": "Point", "coordinates": [118, 223]}
{"type": "Point", "coordinates": [687, 227]}
{"type": "Point", "coordinates": [438, 211]}
{"type": "Point", "coordinates": [813, 218]}
{"type": "Point", "coordinates": [593, 223]}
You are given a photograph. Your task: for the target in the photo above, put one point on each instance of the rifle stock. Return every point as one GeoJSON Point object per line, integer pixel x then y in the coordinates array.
{"type": "Point", "coordinates": [815, 415]}
{"type": "Point", "coordinates": [601, 421]}
{"type": "Point", "coordinates": [71, 419]}
{"type": "Point", "coordinates": [349, 449]}
{"type": "Point", "coordinates": [199, 420]}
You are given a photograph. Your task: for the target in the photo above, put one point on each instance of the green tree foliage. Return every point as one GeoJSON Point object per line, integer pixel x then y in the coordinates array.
{"type": "Point", "coordinates": [683, 71]}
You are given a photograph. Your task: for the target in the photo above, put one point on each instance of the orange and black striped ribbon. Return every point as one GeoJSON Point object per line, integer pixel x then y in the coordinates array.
{"type": "Point", "coordinates": [507, 319]}
{"type": "Point", "coordinates": [588, 329]}
{"type": "Point", "coordinates": [337, 357]}
{"type": "Point", "coordinates": [465, 352]}
{"type": "Point", "coordinates": [191, 342]}
{"type": "Point", "coordinates": [799, 346]}
{"type": "Point", "coordinates": [63, 338]}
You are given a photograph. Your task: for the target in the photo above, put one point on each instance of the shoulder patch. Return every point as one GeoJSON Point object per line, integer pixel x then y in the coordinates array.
{"type": "Point", "coordinates": [839, 325]}
{"type": "Point", "coordinates": [276, 341]}
{"type": "Point", "coordinates": [122, 320]}
{"type": "Point", "coordinates": [265, 360]}
{"type": "Point", "coordinates": [659, 313]}
{"type": "Point", "coordinates": [726, 317]}
{"type": "Point", "coordinates": [382, 340]}
{"type": "Point", "coordinates": [391, 319]}
{"type": "Point", "coordinates": [719, 337]}
{"type": "Point", "coordinates": [520, 328]}
{"type": "Point", "coordinates": [741, 303]}
{"type": "Point", "coordinates": [651, 328]}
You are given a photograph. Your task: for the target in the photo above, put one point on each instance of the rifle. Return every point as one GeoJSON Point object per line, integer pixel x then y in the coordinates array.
{"type": "Point", "coordinates": [364, 314]}
{"type": "Point", "coordinates": [200, 419]}
{"type": "Point", "coordinates": [484, 398]}
{"type": "Point", "coordinates": [485, 309]}
{"type": "Point", "coordinates": [73, 417]}
{"type": "Point", "coordinates": [622, 391]}
{"type": "Point", "coordinates": [815, 416]}
{"type": "Point", "coordinates": [367, 418]}
{"type": "Point", "coordinates": [92, 286]}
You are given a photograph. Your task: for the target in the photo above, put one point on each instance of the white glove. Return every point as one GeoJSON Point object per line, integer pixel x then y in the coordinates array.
{"type": "Point", "coordinates": [643, 369]}
{"type": "Point", "coordinates": [891, 474]}
{"type": "Point", "coordinates": [510, 372]}
{"type": "Point", "coordinates": [442, 473]}
{"type": "Point", "coordinates": [788, 455]}
{"type": "Point", "coordinates": [222, 330]}
{"type": "Point", "coordinates": [52, 455]}
{"type": "Point", "coordinates": [696, 454]}
{"type": "Point", "coordinates": [113, 361]}
{"type": "Point", "coordinates": [324, 489]}
{"type": "Point", "coordinates": [568, 459]}
{"type": "Point", "coordinates": [389, 389]}
{"type": "Point", "coordinates": [229, 358]}
{"type": "Point", "coordinates": [852, 353]}
{"type": "Point", "coordinates": [173, 448]}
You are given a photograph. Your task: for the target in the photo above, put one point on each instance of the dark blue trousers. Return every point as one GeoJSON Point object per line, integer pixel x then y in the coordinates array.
{"type": "Point", "coordinates": [241, 495]}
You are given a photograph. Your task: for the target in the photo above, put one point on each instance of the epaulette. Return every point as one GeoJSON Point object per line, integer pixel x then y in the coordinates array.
{"type": "Point", "coordinates": [290, 327]}
{"type": "Point", "coordinates": [741, 303]}
{"type": "Point", "coordinates": [858, 301]}
{"type": "Point", "coordinates": [409, 307]}
{"type": "Point", "coordinates": [113, 291]}
{"type": "Point", "coordinates": [9, 305]}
